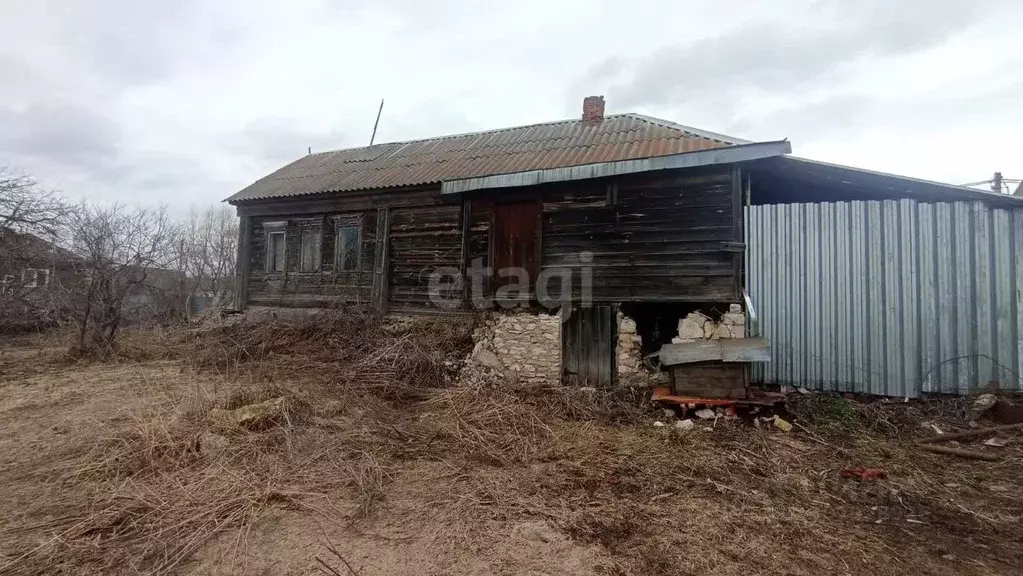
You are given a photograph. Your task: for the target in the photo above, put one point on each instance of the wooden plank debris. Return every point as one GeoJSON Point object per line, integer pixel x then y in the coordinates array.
{"type": "Point", "coordinates": [734, 350]}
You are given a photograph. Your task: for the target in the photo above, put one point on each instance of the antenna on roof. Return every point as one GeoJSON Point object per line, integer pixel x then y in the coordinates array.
{"type": "Point", "coordinates": [310, 149]}
{"type": "Point", "coordinates": [377, 123]}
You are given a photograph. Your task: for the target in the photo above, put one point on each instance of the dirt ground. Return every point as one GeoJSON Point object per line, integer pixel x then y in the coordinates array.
{"type": "Point", "coordinates": [104, 470]}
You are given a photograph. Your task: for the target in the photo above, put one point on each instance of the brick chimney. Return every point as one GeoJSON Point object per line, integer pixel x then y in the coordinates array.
{"type": "Point", "coordinates": [593, 109]}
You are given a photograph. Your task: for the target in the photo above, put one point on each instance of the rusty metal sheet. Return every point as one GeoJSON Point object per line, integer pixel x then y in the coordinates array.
{"type": "Point", "coordinates": [539, 146]}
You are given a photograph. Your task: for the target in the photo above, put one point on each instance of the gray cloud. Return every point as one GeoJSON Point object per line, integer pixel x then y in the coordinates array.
{"type": "Point", "coordinates": [190, 101]}
{"type": "Point", "coordinates": [60, 134]}
{"type": "Point", "coordinates": [128, 43]}
{"type": "Point", "coordinates": [775, 56]}
{"type": "Point", "coordinates": [276, 141]}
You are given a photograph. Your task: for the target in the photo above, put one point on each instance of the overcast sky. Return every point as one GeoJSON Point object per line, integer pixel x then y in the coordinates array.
{"type": "Point", "coordinates": [186, 102]}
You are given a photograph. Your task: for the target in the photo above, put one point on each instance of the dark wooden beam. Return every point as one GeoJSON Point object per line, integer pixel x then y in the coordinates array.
{"type": "Point", "coordinates": [242, 265]}
{"type": "Point", "coordinates": [738, 235]}
{"type": "Point", "coordinates": [381, 262]}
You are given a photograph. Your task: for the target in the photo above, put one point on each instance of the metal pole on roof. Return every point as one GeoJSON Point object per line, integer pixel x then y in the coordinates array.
{"type": "Point", "coordinates": [377, 123]}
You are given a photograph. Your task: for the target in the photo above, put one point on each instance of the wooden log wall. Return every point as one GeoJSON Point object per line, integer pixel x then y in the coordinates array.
{"type": "Point", "coordinates": [372, 282]}
{"type": "Point", "coordinates": [664, 236]}
{"type": "Point", "coordinates": [654, 237]}
{"type": "Point", "coordinates": [423, 240]}
{"type": "Point", "coordinates": [329, 285]}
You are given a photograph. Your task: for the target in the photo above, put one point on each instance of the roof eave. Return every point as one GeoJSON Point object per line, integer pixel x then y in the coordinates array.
{"type": "Point", "coordinates": [905, 185]}
{"type": "Point", "coordinates": [710, 157]}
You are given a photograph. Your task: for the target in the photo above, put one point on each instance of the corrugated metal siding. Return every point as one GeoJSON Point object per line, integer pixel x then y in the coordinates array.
{"type": "Point", "coordinates": [895, 298]}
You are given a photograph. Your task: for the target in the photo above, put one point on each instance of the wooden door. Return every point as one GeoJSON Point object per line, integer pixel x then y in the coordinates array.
{"type": "Point", "coordinates": [589, 344]}
{"type": "Point", "coordinates": [516, 239]}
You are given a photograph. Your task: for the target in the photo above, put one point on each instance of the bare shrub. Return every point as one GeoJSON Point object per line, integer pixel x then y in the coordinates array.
{"type": "Point", "coordinates": [351, 348]}
{"type": "Point", "coordinates": [117, 250]}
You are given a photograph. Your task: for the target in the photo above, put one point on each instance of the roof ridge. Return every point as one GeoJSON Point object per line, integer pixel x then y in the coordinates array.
{"type": "Point", "coordinates": [650, 119]}
{"type": "Point", "coordinates": [688, 129]}
{"type": "Point", "coordinates": [462, 134]}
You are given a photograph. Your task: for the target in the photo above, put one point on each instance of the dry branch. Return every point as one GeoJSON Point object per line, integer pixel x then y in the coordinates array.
{"type": "Point", "coordinates": [969, 433]}
{"type": "Point", "coordinates": [960, 452]}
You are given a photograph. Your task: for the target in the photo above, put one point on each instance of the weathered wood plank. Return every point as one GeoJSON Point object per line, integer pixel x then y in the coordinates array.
{"type": "Point", "coordinates": [710, 380]}
{"type": "Point", "coordinates": [244, 262]}
{"type": "Point", "coordinates": [700, 351]}
{"type": "Point", "coordinates": [727, 350]}
{"type": "Point", "coordinates": [381, 264]}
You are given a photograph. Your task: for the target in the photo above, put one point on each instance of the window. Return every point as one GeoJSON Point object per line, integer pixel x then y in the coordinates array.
{"type": "Point", "coordinates": [276, 254]}
{"type": "Point", "coordinates": [35, 277]}
{"type": "Point", "coordinates": [310, 252]}
{"type": "Point", "coordinates": [348, 248]}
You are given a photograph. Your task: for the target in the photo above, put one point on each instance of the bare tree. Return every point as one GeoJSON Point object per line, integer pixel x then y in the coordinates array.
{"type": "Point", "coordinates": [31, 221]}
{"type": "Point", "coordinates": [26, 207]}
{"type": "Point", "coordinates": [117, 249]}
{"type": "Point", "coordinates": [206, 250]}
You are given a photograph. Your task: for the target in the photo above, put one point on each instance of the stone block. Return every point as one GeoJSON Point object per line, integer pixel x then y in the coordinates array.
{"type": "Point", "coordinates": [708, 329]}
{"type": "Point", "coordinates": [488, 359]}
{"type": "Point", "coordinates": [690, 329]}
{"type": "Point", "coordinates": [721, 332]}
{"type": "Point", "coordinates": [733, 319]}
{"type": "Point", "coordinates": [734, 309]}
{"type": "Point", "coordinates": [627, 326]}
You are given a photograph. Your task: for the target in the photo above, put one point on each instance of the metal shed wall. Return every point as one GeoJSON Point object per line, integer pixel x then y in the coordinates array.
{"type": "Point", "coordinates": [894, 298]}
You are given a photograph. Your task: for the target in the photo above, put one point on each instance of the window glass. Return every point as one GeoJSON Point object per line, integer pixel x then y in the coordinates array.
{"type": "Point", "coordinates": [35, 277]}
{"type": "Point", "coordinates": [275, 252]}
{"type": "Point", "coordinates": [349, 244]}
{"type": "Point", "coordinates": [310, 250]}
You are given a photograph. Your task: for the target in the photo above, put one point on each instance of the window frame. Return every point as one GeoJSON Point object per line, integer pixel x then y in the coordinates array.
{"type": "Point", "coordinates": [349, 222]}
{"type": "Point", "coordinates": [270, 230]}
{"type": "Point", "coordinates": [35, 278]}
{"type": "Point", "coordinates": [309, 229]}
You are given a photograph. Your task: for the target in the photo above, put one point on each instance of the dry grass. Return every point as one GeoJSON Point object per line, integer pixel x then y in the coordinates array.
{"type": "Point", "coordinates": [368, 403]}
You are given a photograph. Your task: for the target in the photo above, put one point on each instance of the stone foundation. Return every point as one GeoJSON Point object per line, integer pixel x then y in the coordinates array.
{"type": "Point", "coordinates": [698, 326]}
{"type": "Point", "coordinates": [630, 346]}
{"type": "Point", "coordinates": [631, 370]}
{"type": "Point", "coordinates": [520, 345]}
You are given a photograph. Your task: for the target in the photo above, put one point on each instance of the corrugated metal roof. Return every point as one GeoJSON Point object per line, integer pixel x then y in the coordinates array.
{"type": "Point", "coordinates": [536, 147]}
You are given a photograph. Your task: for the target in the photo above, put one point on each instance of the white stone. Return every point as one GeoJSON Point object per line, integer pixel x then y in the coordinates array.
{"type": "Point", "coordinates": [708, 329]}
{"type": "Point", "coordinates": [705, 414]}
{"type": "Point", "coordinates": [690, 330]}
{"type": "Point", "coordinates": [488, 359]}
{"type": "Point", "coordinates": [982, 404]}
{"type": "Point", "coordinates": [211, 444]}
{"type": "Point", "coordinates": [722, 332]}
{"type": "Point", "coordinates": [628, 326]}
{"type": "Point", "coordinates": [698, 317]}
{"type": "Point", "coordinates": [734, 308]}
{"type": "Point", "coordinates": [732, 319]}
{"type": "Point", "coordinates": [686, 424]}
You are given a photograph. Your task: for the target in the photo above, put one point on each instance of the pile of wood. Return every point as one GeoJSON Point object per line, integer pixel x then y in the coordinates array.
{"type": "Point", "coordinates": [932, 443]}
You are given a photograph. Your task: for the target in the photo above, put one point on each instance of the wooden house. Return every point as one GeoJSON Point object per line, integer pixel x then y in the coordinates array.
{"type": "Point", "coordinates": [587, 240]}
